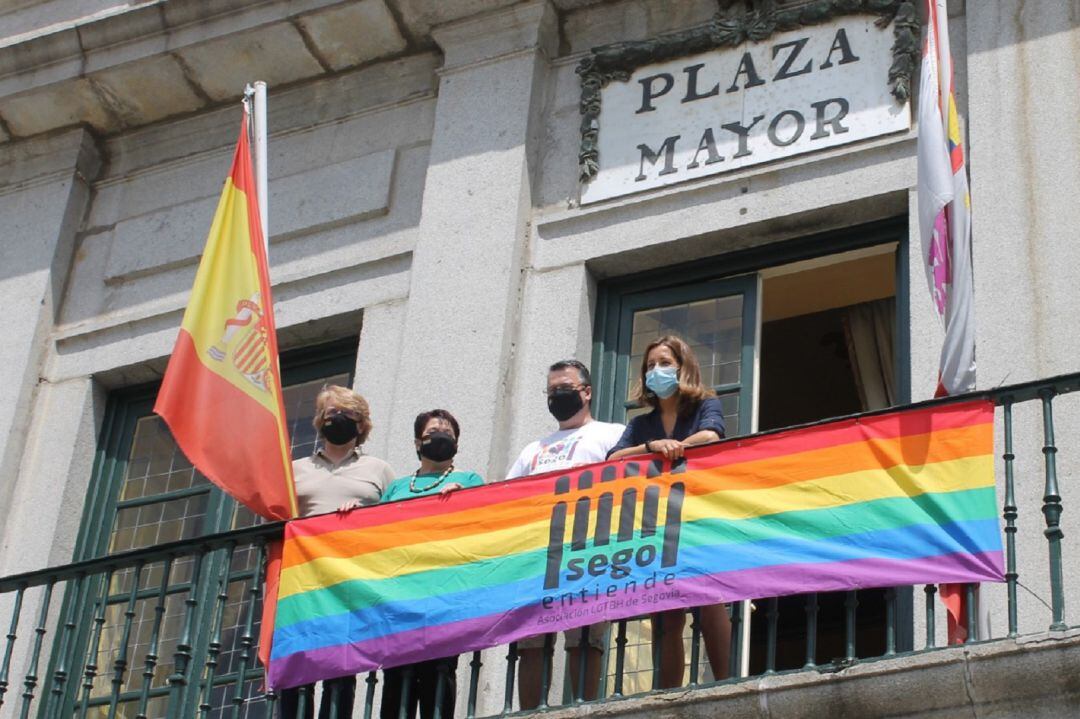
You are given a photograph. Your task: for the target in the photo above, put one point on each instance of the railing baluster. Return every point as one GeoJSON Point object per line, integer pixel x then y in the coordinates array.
{"type": "Point", "coordinates": [90, 670]}
{"type": "Point", "coordinates": [247, 638]}
{"type": "Point", "coordinates": [369, 696]}
{"type": "Point", "coordinates": [474, 685]}
{"type": "Point", "coordinates": [121, 662]}
{"type": "Point", "coordinates": [303, 698]}
{"type": "Point", "coordinates": [214, 647]}
{"type": "Point", "coordinates": [271, 702]}
{"type": "Point", "coordinates": [735, 658]}
{"type": "Point", "coordinates": [620, 658]}
{"type": "Point", "coordinates": [334, 701]}
{"type": "Point", "coordinates": [972, 614]}
{"type": "Point", "coordinates": [60, 674]}
{"type": "Point", "coordinates": [811, 630]}
{"type": "Point", "coordinates": [772, 615]}
{"type": "Point", "coordinates": [657, 634]}
{"type": "Point", "coordinates": [9, 645]}
{"type": "Point", "coordinates": [695, 644]}
{"type": "Point", "coordinates": [583, 664]}
{"type": "Point", "coordinates": [407, 677]}
{"type": "Point", "coordinates": [890, 621]}
{"type": "Point", "coordinates": [1011, 512]}
{"type": "Point", "coordinates": [931, 639]}
{"type": "Point", "coordinates": [1052, 511]}
{"type": "Point", "coordinates": [150, 665]}
{"type": "Point", "coordinates": [182, 654]}
{"type": "Point", "coordinates": [31, 678]}
{"type": "Point", "coordinates": [851, 602]}
{"type": "Point", "coordinates": [441, 680]}
{"type": "Point", "coordinates": [511, 667]}
{"type": "Point", "coordinates": [547, 661]}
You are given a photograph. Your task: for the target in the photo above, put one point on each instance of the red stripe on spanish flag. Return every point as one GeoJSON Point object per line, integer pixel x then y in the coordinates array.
{"type": "Point", "coordinates": [221, 395]}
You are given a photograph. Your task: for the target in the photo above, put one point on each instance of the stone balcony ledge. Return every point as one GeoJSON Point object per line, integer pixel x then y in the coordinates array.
{"type": "Point", "coordinates": [1032, 677]}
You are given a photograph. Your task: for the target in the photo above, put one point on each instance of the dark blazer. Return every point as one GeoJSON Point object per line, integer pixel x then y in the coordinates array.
{"type": "Point", "coordinates": [647, 427]}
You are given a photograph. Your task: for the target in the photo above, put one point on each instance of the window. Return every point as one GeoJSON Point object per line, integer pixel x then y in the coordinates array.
{"type": "Point", "coordinates": [145, 493]}
{"type": "Point", "coordinates": [786, 334]}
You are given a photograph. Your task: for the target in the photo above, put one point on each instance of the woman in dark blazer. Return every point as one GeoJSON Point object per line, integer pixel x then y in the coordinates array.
{"type": "Point", "coordinates": [684, 413]}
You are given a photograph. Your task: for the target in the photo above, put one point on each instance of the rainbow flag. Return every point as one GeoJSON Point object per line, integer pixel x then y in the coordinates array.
{"type": "Point", "coordinates": [221, 394]}
{"type": "Point", "coordinates": [892, 499]}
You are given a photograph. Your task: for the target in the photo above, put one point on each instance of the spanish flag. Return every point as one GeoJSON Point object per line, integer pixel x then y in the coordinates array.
{"type": "Point", "coordinates": [221, 395]}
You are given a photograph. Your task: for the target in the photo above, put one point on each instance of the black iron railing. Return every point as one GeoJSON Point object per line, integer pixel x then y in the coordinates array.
{"type": "Point", "coordinates": [172, 630]}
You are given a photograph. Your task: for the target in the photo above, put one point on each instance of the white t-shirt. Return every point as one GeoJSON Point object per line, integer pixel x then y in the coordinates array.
{"type": "Point", "coordinates": [567, 448]}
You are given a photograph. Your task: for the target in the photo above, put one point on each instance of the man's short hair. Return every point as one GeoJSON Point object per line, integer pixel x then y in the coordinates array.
{"type": "Point", "coordinates": [423, 418]}
{"type": "Point", "coordinates": [586, 378]}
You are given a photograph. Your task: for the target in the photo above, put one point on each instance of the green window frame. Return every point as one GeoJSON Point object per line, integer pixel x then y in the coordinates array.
{"type": "Point", "coordinates": [124, 410]}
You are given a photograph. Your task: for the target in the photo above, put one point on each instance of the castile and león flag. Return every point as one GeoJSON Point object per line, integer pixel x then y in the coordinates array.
{"type": "Point", "coordinates": [945, 232]}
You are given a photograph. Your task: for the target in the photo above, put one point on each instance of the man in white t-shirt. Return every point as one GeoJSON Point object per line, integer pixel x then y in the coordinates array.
{"type": "Point", "coordinates": [579, 440]}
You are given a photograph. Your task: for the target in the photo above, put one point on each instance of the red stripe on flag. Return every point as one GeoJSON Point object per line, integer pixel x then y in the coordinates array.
{"type": "Point", "coordinates": [230, 437]}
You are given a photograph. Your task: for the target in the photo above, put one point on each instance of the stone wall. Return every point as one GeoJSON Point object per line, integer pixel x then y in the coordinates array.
{"type": "Point", "coordinates": [423, 196]}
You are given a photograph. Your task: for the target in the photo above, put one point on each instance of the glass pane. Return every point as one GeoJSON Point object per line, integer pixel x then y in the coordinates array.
{"type": "Point", "coordinates": [139, 639]}
{"type": "Point", "coordinates": [157, 523]}
{"type": "Point", "coordinates": [712, 328]}
{"type": "Point", "coordinates": [730, 404]}
{"type": "Point", "coordinates": [156, 464]}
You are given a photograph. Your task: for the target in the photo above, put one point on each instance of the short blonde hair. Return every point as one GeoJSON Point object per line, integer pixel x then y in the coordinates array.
{"type": "Point", "coordinates": [348, 401]}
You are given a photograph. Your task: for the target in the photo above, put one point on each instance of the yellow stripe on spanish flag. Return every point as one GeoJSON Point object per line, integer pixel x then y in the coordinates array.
{"type": "Point", "coordinates": [221, 395]}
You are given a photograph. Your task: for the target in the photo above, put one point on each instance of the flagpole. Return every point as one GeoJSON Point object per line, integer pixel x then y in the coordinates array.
{"type": "Point", "coordinates": [259, 118]}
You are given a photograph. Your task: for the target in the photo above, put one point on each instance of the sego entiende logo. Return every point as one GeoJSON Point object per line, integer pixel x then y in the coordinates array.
{"type": "Point", "coordinates": [609, 562]}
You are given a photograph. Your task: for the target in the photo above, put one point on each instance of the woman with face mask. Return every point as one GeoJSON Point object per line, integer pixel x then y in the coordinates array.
{"type": "Point", "coordinates": [436, 436]}
{"type": "Point", "coordinates": [684, 413]}
{"type": "Point", "coordinates": [337, 477]}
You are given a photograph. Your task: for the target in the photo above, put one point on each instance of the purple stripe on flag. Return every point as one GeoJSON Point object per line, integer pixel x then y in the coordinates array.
{"type": "Point", "coordinates": [940, 266]}
{"type": "Point", "coordinates": [503, 627]}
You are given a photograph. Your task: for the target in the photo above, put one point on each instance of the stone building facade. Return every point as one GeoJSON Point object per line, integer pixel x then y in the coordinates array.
{"type": "Point", "coordinates": [428, 230]}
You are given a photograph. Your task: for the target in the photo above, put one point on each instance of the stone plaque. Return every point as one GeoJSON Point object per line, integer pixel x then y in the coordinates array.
{"type": "Point", "coordinates": [705, 114]}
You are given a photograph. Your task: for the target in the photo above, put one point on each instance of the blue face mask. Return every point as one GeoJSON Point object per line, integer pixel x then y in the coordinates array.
{"type": "Point", "coordinates": [662, 381]}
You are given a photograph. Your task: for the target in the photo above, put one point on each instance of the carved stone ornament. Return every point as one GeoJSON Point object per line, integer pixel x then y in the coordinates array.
{"type": "Point", "coordinates": [736, 23]}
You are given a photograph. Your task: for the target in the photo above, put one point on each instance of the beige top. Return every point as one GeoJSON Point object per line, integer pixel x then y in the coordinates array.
{"type": "Point", "coordinates": [322, 486]}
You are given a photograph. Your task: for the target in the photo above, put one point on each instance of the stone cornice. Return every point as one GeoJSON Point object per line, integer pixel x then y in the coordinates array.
{"type": "Point", "coordinates": [481, 39]}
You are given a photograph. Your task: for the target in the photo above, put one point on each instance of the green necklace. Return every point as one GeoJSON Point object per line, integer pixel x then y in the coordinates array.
{"type": "Point", "coordinates": [433, 485]}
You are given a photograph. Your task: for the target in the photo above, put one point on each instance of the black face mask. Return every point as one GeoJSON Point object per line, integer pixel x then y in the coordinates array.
{"type": "Point", "coordinates": [438, 446]}
{"type": "Point", "coordinates": [339, 429]}
{"type": "Point", "coordinates": [565, 403]}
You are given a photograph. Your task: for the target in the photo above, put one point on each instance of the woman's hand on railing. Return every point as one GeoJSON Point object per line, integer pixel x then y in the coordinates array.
{"type": "Point", "coordinates": [445, 491]}
{"type": "Point", "coordinates": [348, 506]}
{"type": "Point", "coordinates": [668, 448]}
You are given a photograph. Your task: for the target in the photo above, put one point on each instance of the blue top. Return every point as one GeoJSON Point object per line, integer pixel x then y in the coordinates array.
{"type": "Point", "coordinates": [647, 427]}
{"type": "Point", "coordinates": [400, 487]}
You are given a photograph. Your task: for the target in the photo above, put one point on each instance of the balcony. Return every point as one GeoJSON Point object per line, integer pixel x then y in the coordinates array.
{"type": "Point", "coordinates": [172, 630]}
